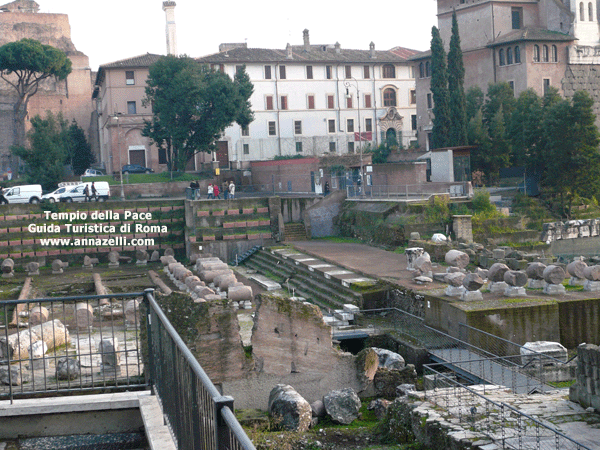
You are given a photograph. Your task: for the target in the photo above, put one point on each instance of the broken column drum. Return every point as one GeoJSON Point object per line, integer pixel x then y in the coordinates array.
{"type": "Point", "coordinates": [496, 278]}
{"type": "Point", "coordinates": [554, 276]}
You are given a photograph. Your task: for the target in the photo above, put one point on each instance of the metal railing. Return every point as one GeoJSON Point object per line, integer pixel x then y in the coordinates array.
{"type": "Point", "coordinates": [505, 425]}
{"type": "Point", "coordinates": [408, 192]}
{"type": "Point", "coordinates": [198, 415]}
{"type": "Point", "coordinates": [94, 338]}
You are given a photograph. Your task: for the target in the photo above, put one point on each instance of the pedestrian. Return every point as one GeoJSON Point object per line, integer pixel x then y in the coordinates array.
{"type": "Point", "coordinates": [231, 190]}
{"type": "Point", "coordinates": [210, 191]}
{"type": "Point", "coordinates": [194, 186]}
{"type": "Point", "coordinates": [326, 190]}
{"type": "Point", "coordinates": [216, 191]}
{"type": "Point", "coordinates": [3, 200]}
{"type": "Point", "coordinates": [225, 190]}
{"type": "Point", "coordinates": [86, 192]}
{"type": "Point", "coordinates": [94, 192]}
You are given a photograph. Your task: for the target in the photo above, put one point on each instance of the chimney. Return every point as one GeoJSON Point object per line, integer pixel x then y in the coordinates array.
{"type": "Point", "coordinates": [169, 9]}
{"type": "Point", "coordinates": [338, 48]}
{"type": "Point", "coordinates": [288, 49]}
{"type": "Point", "coordinates": [372, 49]}
{"type": "Point", "coordinates": [306, 40]}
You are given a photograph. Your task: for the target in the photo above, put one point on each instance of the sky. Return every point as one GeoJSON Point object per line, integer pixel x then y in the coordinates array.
{"type": "Point", "coordinates": [111, 30]}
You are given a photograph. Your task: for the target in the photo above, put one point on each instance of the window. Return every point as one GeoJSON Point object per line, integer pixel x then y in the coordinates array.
{"type": "Point", "coordinates": [332, 147]}
{"type": "Point", "coordinates": [517, 55]}
{"type": "Point", "coordinates": [509, 56]}
{"type": "Point", "coordinates": [512, 86]}
{"type": "Point", "coordinates": [350, 125]}
{"type": "Point", "coordinates": [282, 74]}
{"type": "Point", "coordinates": [421, 70]}
{"type": "Point", "coordinates": [427, 69]}
{"type": "Point", "coordinates": [545, 85]}
{"type": "Point", "coordinates": [162, 156]}
{"type": "Point", "coordinates": [368, 125]}
{"type": "Point", "coordinates": [331, 125]}
{"type": "Point", "coordinates": [350, 147]}
{"type": "Point", "coordinates": [581, 12]}
{"type": "Point", "coordinates": [536, 53]}
{"type": "Point", "coordinates": [245, 131]}
{"type": "Point", "coordinates": [348, 71]}
{"type": "Point", "coordinates": [298, 147]}
{"type": "Point", "coordinates": [246, 149]}
{"type": "Point", "coordinates": [311, 102]}
{"type": "Point", "coordinates": [517, 14]}
{"type": "Point", "coordinates": [367, 101]}
{"type": "Point", "coordinates": [330, 101]}
{"type": "Point", "coordinates": [272, 128]}
{"type": "Point", "coordinates": [501, 60]}
{"type": "Point", "coordinates": [349, 102]}
{"type": "Point", "coordinates": [366, 72]}
{"type": "Point", "coordinates": [131, 108]}
{"type": "Point", "coordinates": [239, 69]}
{"type": "Point", "coordinates": [218, 67]}
{"type": "Point", "coordinates": [590, 12]}
{"type": "Point", "coordinates": [129, 77]}
{"type": "Point", "coordinates": [413, 96]}
{"type": "Point", "coordinates": [413, 122]}
{"type": "Point", "coordinates": [389, 97]}
{"type": "Point", "coordinates": [329, 72]}
{"type": "Point", "coordinates": [269, 102]}
{"type": "Point", "coordinates": [283, 102]}
{"type": "Point", "coordinates": [554, 54]}
{"type": "Point", "coordinates": [309, 72]}
{"type": "Point", "coordinates": [545, 57]}
{"type": "Point", "coordinates": [388, 71]}
{"type": "Point", "coordinates": [267, 72]}
{"type": "Point", "coordinates": [297, 127]}
{"type": "Point", "coordinates": [429, 101]}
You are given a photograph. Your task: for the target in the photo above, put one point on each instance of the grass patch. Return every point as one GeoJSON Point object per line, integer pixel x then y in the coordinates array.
{"type": "Point", "coordinates": [340, 240]}
{"type": "Point", "coordinates": [162, 177]}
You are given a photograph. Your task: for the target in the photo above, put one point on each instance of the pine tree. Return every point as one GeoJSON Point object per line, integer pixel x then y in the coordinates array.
{"type": "Point", "coordinates": [456, 79]}
{"type": "Point", "coordinates": [439, 89]}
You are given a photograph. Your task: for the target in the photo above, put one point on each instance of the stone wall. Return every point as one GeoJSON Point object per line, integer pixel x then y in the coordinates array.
{"type": "Point", "coordinates": [572, 229]}
{"type": "Point", "coordinates": [586, 390]}
{"type": "Point", "coordinates": [319, 218]}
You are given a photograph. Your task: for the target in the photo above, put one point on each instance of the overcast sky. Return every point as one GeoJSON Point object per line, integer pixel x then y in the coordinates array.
{"type": "Point", "coordinates": [110, 30]}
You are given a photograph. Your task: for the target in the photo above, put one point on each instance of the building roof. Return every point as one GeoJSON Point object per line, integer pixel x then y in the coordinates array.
{"type": "Point", "coordinates": [310, 53]}
{"type": "Point", "coordinates": [137, 61]}
{"type": "Point", "coordinates": [530, 34]}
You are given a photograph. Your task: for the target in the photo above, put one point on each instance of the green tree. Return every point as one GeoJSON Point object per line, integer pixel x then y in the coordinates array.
{"type": "Point", "coordinates": [45, 157]}
{"type": "Point", "coordinates": [192, 105]}
{"type": "Point", "coordinates": [526, 131]}
{"type": "Point", "coordinates": [499, 152]}
{"type": "Point", "coordinates": [23, 65]}
{"type": "Point", "coordinates": [479, 137]}
{"type": "Point", "coordinates": [456, 80]}
{"type": "Point", "coordinates": [499, 95]}
{"type": "Point", "coordinates": [474, 101]}
{"type": "Point", "coordinates": [79, 152]}
{"type": "Point", "coordinates": [439, 90]}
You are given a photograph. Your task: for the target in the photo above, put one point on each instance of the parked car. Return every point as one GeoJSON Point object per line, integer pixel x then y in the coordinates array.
{"type": "Point", "coordinates": [77, 193]}
{"type": "Point", "coordinates": [135, 168]}
{"type": "Point", "coordinates": [92, 173]}
{"type": "Point", "coordinates": [31, 193]}
{"type": "Point", "coordinates": [54, 196]}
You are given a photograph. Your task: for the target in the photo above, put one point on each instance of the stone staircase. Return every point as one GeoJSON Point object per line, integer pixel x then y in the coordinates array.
{"type": "Point", "coordinates": [295, 231]}
{"type": "Point", "coordinates": [306, 281]}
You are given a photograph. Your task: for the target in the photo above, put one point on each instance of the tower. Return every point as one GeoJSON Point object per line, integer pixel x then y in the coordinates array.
{"type": "Point", "coordinates": [169, 9]}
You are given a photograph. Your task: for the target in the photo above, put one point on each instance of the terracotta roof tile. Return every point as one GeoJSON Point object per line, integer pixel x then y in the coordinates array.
{"type": "Point", "coordinates": [137, 61]}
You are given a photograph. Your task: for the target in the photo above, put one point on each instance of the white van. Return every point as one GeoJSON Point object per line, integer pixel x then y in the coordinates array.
{"type": "Point", "coordinates": [76, 193]}
{"type": "Point", "coordinates": [31, 193]}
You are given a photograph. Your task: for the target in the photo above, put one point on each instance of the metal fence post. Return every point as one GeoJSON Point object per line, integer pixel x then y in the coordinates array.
{"type": "Point", "coordinates": [222, 430]}
{"type": "Point", "coordinates": [148, 321]}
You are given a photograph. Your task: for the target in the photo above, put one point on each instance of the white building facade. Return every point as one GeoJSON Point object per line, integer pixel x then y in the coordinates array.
{"type": "Point", "coordinates": [312, 100]}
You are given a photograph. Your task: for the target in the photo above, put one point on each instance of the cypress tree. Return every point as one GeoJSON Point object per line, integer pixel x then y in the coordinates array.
{"type": "Point", "coordinates": [456, 80]}
{"type": "Point", "coordinates": [439, 89]}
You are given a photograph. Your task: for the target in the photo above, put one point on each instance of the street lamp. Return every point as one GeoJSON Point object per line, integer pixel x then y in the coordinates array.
{"type": "Point", "coordinates": [119, 150]}
{"type": "Point", "coordinates": [348, 84]}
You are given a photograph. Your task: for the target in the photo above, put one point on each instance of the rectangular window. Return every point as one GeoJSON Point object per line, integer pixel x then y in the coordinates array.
{"type": "Point", "coordinates": [131, 108]}
{"type": "Point", "coordinates": [269, 102]}
{"type": "Point", "coordinates": [368, 125]}
{"type": "Point", "coordinates": [329, 72]}
{"type": "Point", "coordinates": [218, 67]}
{"type": "Point", "coordinates": [517, 18]}
{"type": "Point", "coordinates": [366, 72]}
{"type": "Point", "coordinates": [330, 102]}
{"type": "Point", "coordinates": [413, 122]}
{"type": "Point", "coordinates": [350, 125]}
{"type": "Point", "coordinates": [284, 102]}
{"type": "Point", "coordinates": [298, 147]}
{"type": "Point", "coordinates": [309, 72]}
{"type": "Point", "coordinates": [162, 156]}
{"type": "Point", "coordinates": [272, 129]}
{"type": "Point", "coordinates": [512, 86]}
{"type": "Point", "coordinates": [245, 131]}
{"type": "Point", "coordinates": [429, 101]}
{"type": "Point", "coordinates": [129, 77]}
{"type": "Point", "coordinates": [331, 125]}
{"type": "Point", "coordinates": [332, 147]}
{"type": "Point", "coordinates": [297, 127]}
{"type": "Point", "coordinates": [267, 72]}
{"type": "Point", "coordinates": [413, 96]}
{"type": "Point", "coordinates": [350, 147]}
{"type": "Point", "coordinates": [368, 101]}
{"type": "Point", "coordinates": [246, 149]}
{"type": "Point", "coordinates": [348, 71]}
{"type": "Point", "coordinates": [546, 85]}
{"type": "Point", "coordinates": [239, 69]}
{"type": "Point", "coordinates": [311, 102]}
{"type": "Point", "coordinates": [349, 102]}
{"type": "Point", "coordinates": [282, 74]}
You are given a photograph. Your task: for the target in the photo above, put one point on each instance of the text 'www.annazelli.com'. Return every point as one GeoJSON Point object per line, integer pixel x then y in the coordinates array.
{"type": "Point", "coordinates": [96, 242]}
